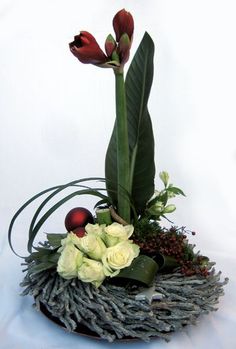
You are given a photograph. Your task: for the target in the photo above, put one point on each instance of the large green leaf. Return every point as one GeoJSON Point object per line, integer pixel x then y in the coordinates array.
{"type": "Point", "coordinates": [141, 140]}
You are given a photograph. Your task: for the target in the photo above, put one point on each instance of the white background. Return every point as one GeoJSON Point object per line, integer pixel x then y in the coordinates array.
{"type": "Point", "coordinates": [56, 120]}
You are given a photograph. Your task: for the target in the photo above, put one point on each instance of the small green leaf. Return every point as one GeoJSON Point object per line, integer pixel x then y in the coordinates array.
{"type": "Point", "coordinates": [175, 190]}
{"type": "Point", "coordinates": [163, 197]}
{"type": "Point", "coordinates": [153, 201]}
{"type": "Point", "coordinates": [54, 258]}
{"type": "Point", "coordinates": [42, 266]}
{"type": "Point", "coordinates": [55, 239]}
{"type": "Point", "coordinates": [42, 254]}
{"type": "Point", "coordinates": [44, 258]}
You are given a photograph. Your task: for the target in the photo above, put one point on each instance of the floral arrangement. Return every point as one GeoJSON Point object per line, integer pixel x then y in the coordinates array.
{"type": "Point", "coordinates": [103, 251]}
{"type": "Point", "coordinates": [121, 249]}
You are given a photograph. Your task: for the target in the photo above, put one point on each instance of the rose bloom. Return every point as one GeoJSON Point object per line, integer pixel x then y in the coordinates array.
{"type": "Point", "coordinates": [91, 271]}
{"type": "Point", "coordinates": [69, 261]}
{"type": "Point", "coordinates": [116, 232]}
{"type": "Point", "coordinates": [70, 238]}
{"type": "Point", "coordinates": [118, 257]}
{"type": "Point", "coordinates": [95, 229]}
{"type": "Point", "coordinates": [92, 245]}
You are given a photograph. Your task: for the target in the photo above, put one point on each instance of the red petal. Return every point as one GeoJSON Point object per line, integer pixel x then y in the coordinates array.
{"type": "Point", "coordinates": [87, 50]}
{"type": "Point", "coordinates": [123, 23]}
{"type": "Point", "coordinates": [86, 36]}
{"type": "Point", "coordinates": [89, 54]}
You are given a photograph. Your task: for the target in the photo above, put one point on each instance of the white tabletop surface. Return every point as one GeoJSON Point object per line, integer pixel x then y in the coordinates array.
{"type": "Point", "coordinates": [56, 118]}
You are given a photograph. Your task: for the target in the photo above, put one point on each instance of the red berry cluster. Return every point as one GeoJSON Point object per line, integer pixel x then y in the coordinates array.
{"type": "Point", "coordinates": [196, 266]}
{"type": "Point", "coordinates": [173, 242]}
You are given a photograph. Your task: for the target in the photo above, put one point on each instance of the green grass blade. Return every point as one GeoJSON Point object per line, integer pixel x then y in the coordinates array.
{"type": "Point", "coordinates": [28, 202]}
{"type": "Point", "coordinates": [34, 231]}
{"type": "Point", "coordinates": [57, 191]}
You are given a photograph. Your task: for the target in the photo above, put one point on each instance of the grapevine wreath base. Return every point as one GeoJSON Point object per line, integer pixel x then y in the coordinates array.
{"type": "Point", "coordinates": [114, 312]}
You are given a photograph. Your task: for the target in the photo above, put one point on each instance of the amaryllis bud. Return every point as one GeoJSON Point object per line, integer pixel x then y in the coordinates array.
{"type": "Point", "coordinates": [123, 23]}
{"type": "Point", "coordinates": [110, 45]}
{"type": "Point", "coordinates": [124, 48]}
{"type": "Point", "coordinates": [87, 50]}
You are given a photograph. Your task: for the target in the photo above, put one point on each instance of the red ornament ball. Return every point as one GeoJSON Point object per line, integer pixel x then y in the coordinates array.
{"type": "Point", "coordinates": [78, 217]}
{"type": "Point", "coordinates": [80, 232]}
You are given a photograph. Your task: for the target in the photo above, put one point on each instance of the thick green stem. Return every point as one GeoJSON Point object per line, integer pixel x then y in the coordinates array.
{"type": "Point", "coordinates": [104, 216]}
{"type": "Point", "coordinates": [123, 164]}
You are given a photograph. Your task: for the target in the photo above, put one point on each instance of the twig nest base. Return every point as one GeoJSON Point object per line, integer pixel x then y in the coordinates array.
{"type": "Point", "coordinates": [115, 312]}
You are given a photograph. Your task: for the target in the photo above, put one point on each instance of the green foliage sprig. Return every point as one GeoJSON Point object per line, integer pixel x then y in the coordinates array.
{"type": "Point", "coordinates": [46, 256]}
{"type": "Point", "coordinates": [158, 206]}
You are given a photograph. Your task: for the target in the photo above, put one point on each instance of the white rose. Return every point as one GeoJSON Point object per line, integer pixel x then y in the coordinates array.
{"type": "Point", "coordinates": [119, 256]}
{"type": "Point", "coordinates": [91, 271]}
{"type": "Point", "coordinates": [95, 229]}
{"type": "Point", "coordinates": [92, 245]}
{"type": "Point", "coordinates": [116, 232]}
{"type": "Point", "coordinates": [70, 239]}
{"type": "Point", "coordinates": [69, 261]}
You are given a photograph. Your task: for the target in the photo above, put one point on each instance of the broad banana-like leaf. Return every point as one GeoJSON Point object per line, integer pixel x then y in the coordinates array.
{"type": "Point", "coordinates": [141, 140]}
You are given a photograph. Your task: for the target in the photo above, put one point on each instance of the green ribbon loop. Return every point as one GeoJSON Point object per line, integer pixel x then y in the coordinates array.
{"type": "Point", "coordinates": [166, 263]}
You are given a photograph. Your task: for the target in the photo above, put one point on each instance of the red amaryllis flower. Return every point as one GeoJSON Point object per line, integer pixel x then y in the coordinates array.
{"type": "Point", "coordinates": [123, 23]}
{"type": "Point", "coordinates": [87, 50]}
